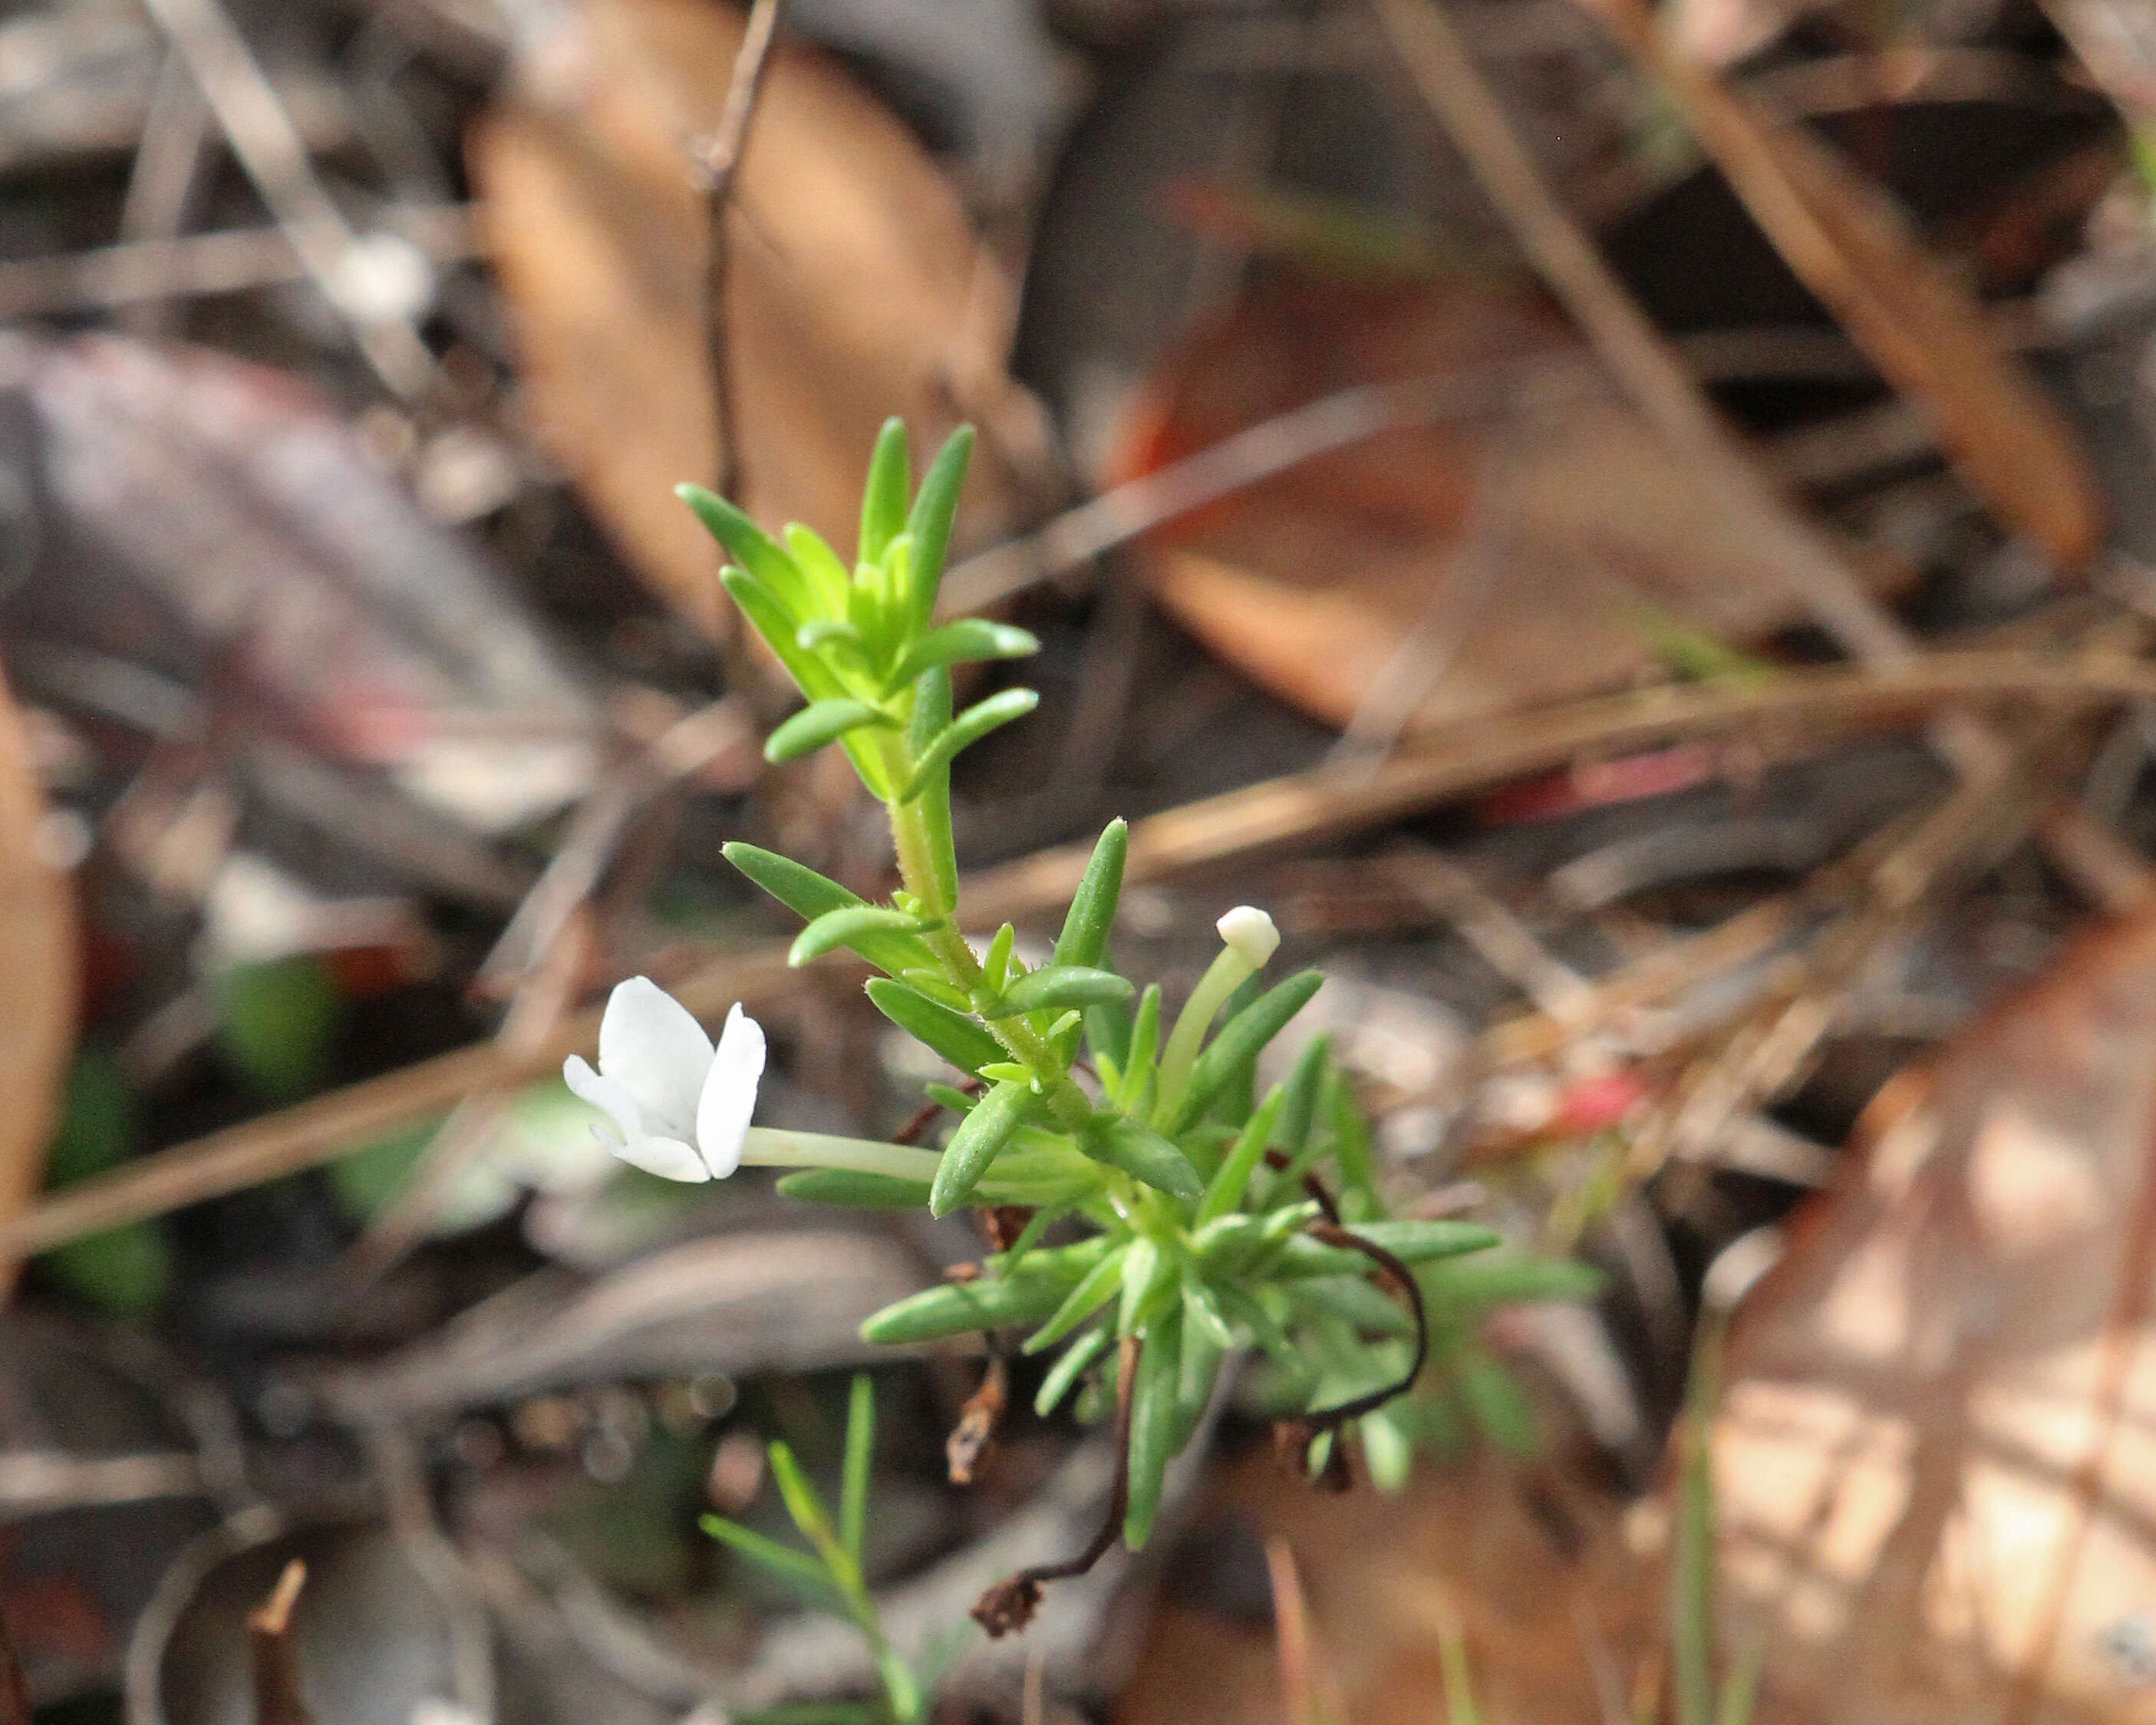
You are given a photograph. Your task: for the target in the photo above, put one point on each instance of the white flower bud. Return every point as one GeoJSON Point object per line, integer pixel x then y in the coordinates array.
{"type": "Point", "coordinates": [1250, 935]}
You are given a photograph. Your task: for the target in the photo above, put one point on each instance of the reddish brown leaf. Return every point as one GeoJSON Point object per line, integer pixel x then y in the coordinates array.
{"type": "Point", "coordinates": [1936, 1462]}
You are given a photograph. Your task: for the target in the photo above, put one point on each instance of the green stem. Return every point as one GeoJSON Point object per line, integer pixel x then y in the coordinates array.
{"type": "Point", "coordinates": [1227, 972]}
{"type": "Point", "coordinates": [911, 839]}
{"type": "Point", "coordinates": [773, 1146]}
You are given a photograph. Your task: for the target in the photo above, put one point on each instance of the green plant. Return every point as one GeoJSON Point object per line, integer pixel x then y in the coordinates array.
{"type": "Point", "coordinates": [1209, 1219]}
{"type": "Point", "coordinates": [828, 1576]}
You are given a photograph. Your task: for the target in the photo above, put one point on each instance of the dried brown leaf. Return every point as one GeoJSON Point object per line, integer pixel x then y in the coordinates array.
{"type": "Point", "coordinates": [1474, 568]}
{"type": "Point", "coordinates": [848, 287]}
{"type": "Point", "coordinates": [1935, 1465]}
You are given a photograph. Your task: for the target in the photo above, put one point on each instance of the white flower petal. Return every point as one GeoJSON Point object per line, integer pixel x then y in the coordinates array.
{"type": "Point", "coordinates": [649, 1042]}
{"type": "Point", "coordinates": [669, 1158]}
{"type": "Point", "coordinates": [610, 1094]}
{"type": "Point", "coordinates": [729, 1098]}
{"type": "Point", "coordinates": [1250, 932]}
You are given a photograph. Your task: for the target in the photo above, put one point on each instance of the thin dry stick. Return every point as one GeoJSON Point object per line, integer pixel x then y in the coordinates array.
{"type": "Point", "coordinates": [276, 1660]}
{"type": "Point", "coordinates": [275, 158]}
{"type": "Point", "coordinates": [1331, 422]}
{"type": "Point", "coordinates": [1296, 807]}
{"type": "Point", "coordinates": [166, 179]}
{"type": "Point", "coordinates": [190, 266]}
{"type": "Point", "coordinates": [719, 165]}
{"type": "Point", "coordinates": [1670, 399]}
{"type": "Point", "coordinates": [684, 749]}
{"type": "Point", "coordinates": [1505, 943]}
{"type": "Point", "coordinates": [542, 996]}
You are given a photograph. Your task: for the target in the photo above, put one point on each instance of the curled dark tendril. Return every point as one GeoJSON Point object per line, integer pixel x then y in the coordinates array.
{"type": "Point", "coordinates": [1009, 1605]}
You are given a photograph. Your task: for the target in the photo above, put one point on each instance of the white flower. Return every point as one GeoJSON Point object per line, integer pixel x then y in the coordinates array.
{"type": "Point", "coordinates": [1249, 932]}
{"type": "Point", "coordinates": [682, 1107]}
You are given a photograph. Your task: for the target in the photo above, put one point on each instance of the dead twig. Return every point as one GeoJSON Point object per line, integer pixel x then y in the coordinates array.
{"type": "Point", "coordinates": [145, 271]}
{"type": "Point", "coordinates": [276, 1661]}
{"type": "Point", "coordinates": [274, 156]}
{"type": "Point", "coordinates": [718, 165]}
{"type": "Point", "coordinates": [976, 1429]}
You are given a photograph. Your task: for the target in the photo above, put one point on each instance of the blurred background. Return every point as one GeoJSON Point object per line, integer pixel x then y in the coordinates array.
{"type": "Point", "coordinates": [1632, 532]}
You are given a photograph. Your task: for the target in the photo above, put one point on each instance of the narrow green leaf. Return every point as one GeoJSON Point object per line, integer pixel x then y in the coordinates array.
{"type": "Point", "coordinates": [935, 507]}
{"type": "Point", "coordinates": [812, 1713]}
{"type": "Point", "coordinates": [796, 1567]}
{"type": "Point", "coordinates": [1108, 1029]}
{"type": "Point", "coordinates": [1094, 1291]}
{"type": "Point", "coordinates": [1419, 1242]}
{"type": "Point", "coordinates": [1225, 1192]}
{"type": "Point", "coordinates": [809, 895]}
{"type": "Point", "coordinates": [969, 641]}
{"type": "Point", "coordinates": [1499, 1407]}
{"type": "Point", "coordinates": [819, 722]}
{"type": "Point", "coordinates": [1057, 986]}
{"type": "Point", "coordinates": [828, 636]}
{"type": "Point", "coordinates": [1092, 913]}
{"type": "Point", "coordinates": [810, 675]}
{"type": "Point", "coordinates": [1201, 1311]}
{"type": "Point", "coordinates": [820, 567]}
{"type": "Point", "coordinates": [931, 714]}
{"type": "Point", "coordinates": [1140, 1151]}
{"type": "Point", "coordinates": [1351, 1137]}
{"type": "Point", "coordinates": [1740, 1684]}
{"type": "Point", "coordinates": [883, 496]}
{"type": "Point", "coordinates": [1139, 1067]}
{"type": "Point", "coordinates": [1240, 1042]}
{"type": "Point", "coordinates": [963, 732]}
{"type": "Point", "coordinates": [849, 1187]}
{"type": "Point", "coordinates": [980, 1135]}
{"type": "Point", "coordinates": [1496, 1281]}
{"type": "Point", "coordinates": [959, 1306]}
{"type": "Point", "coordinates": [851, 926]}
{"type": "Point", "coordinates": [860, 1451]}
{"type": "Point", "coordinates": [804, 1506]}
{"type": "Point", "coordinates": [927, 979]}
{"type": "Point", "coordinates": [952, 1035]}
{"type": "Point", "coordinates": [1148, 1276]}
{"type": "Point", "coordinates": [1067, 1368]}
{"type": "Point", "coordinates": [1197, 1369]}
{"type": "Point", "coordinates": [1306, 1083]}
{"type": "Point", "coordinates": [1355, 1300]}
{"type": "Point", "coordinates": [1388, 1454]}
{"type": "Point", "coordinates": [1459, 1707]}
{"type": "Point", "coordinates": [1154, 1410]}
{"type": "Point", "coordinates": [995, 964]}
{"type": "Point", "coordinates": [1064, 1262]}
{"type": "Point", "coordinates": [755, 550]}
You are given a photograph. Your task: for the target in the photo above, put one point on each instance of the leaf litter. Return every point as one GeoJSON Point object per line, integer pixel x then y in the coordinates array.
{"type": "Point", "coordinates": [324, 641]}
